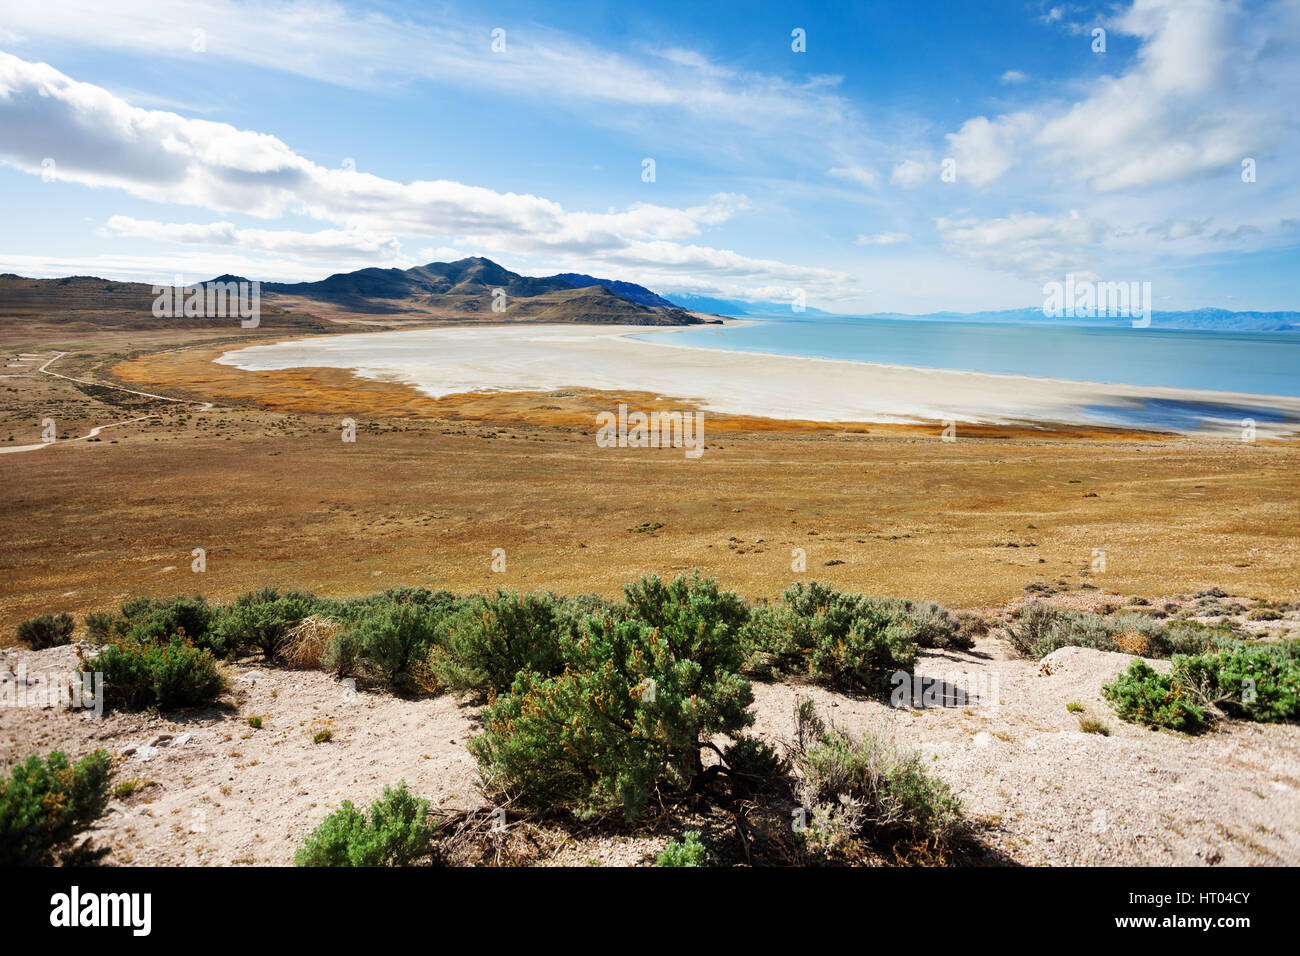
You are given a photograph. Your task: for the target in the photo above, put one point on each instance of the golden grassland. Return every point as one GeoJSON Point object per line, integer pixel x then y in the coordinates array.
{"type": "Point", "coordinates": [430, 488]}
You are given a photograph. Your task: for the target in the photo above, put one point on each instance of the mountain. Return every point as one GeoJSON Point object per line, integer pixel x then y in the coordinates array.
{"type": "Point", "coordinates": [736, 307]}
{"type": "Point", "coordinates": [1206, 320]}
{"type": "Point", "coordinates": [628, 290]}
{"type": "Point", "coordinates": [471, 287]}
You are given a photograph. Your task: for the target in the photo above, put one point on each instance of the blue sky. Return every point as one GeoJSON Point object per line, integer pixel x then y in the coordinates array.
{"type": "Point", "coordinates": [142, 140]}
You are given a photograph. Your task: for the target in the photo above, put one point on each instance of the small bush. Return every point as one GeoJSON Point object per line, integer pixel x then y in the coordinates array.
{"type": "Point", "coordinates": [840, 639]}
{"type": "Point", "coordinates": [261, 621]}
{"type": "Point", "coordinates": [867, 787]}
{"type": "Point", "coordinates": [390, 640]}
{"type": "Point", "coordinates": [632, 709]}
{"type": "Point", "coordinates": [1091, 725]}
{"type": "Point", "coordinates": [46, 803]}
{"type": "Point", "coordinates": [255, 722]}
{"type": "Point", "coordinates": [1260, 682]}
{"type": "Point", "coordinates": [1141, 695]}
{"type": "Point", "coordinates": [46, 631]}
{"type": "Point", "coordinates": [397, 832]}
{"type": "Point", "coordinates": [1074, 707]}
{"type": "Point", "coordinates": [485, 644]}
{"type": "Point", "coordinates": [1264, 614]}
{"type": "Point", "coordinates": [1041, 629]}
{"type": "Point", "coordinates": [165, 675]}
{"type": "Point", "coordinates": [688, 851]}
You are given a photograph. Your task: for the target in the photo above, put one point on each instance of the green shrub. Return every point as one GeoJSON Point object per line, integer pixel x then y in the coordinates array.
{"type": "Point", "coordinates": [46, 631]}
{"type": "Point", "coordinates": [396, 833]}
{"type": "Point", "coordinates": [261, 620]}
{"type": "Point", "coordinates": [1260, 682]}
{"type": "Point", "coordinates": [688, 851]}
{"type": "Point", "coordinates": [1141, 695]}
{"type": "Point", "coordinates": [839, 639]}
{"type": "Point", "coordinates": [867, 788]}
{"type": "Point", "coordinates": [45, 804]}
{"type": "Point", "coordinates": [486, 643]}
{"type": "Point", "coordinates": [631, 710]}
{"type": "Point", "coordinates": [99, 625]}
{"type": "Point", "coordinates": [390, 640]}
{"type": "Point", "coordinates": [165, 675]}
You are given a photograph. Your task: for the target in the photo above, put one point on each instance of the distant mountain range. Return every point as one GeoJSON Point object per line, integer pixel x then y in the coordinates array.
{"type": "Point", "coordinates": [1210, 320]}
{"type": "Point", "coordinates": [738, 308]}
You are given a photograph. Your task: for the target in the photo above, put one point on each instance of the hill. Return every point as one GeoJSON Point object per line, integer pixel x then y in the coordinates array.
{"type": "Point", "coordinates": [470, 287]}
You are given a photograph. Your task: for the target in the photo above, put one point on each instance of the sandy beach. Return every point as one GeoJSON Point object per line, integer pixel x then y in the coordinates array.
{"type": "Point", "coordinates": [448, 361]}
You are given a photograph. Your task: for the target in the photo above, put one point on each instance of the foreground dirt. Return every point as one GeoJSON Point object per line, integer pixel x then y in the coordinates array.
{"type": "Point", "coordinates": [210, 789]}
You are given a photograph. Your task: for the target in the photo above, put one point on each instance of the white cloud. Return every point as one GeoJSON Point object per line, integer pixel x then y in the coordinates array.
{"type": "Point", "coordinates": [98, 140]}
{"type": "Point", "coordinates": [858, 174]}
{"type": "Point", "coordinates": [984, 150]}
{"type": "Point", "coordinates": [1014, 76]}
{"type": "Point", "coordinates": [883, 239]}
{"type": "Point", "coordinates": [912, 172]}
{"type": "Point", "coordinates": [1026, 245]}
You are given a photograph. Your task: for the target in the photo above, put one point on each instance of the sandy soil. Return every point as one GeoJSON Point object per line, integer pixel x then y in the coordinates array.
{"type": "Point", "coordinates": [212, 790]}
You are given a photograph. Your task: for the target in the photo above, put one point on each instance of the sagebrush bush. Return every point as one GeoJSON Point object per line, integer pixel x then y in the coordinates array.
{"type": "Point", "coordinates": [688, 851]}
{"type": "Point", "coordinates": [484, 644]}
{"type": "Point", "coordinates": [397, 832]}
{"type": "Point", "coordinates": [260, 621]}
{"type": "Point", "coordinates": [390, 640]}
{"type": "Point", "coordinates": [631, 710]}
{"type": "Point", "coordinates": [46, 804]}
{"type": "Point", "coordinates": [46, 631]}
{"type": "Point", "coordinates": [867, 787]}
{"type": "Point", "coordinates": [166, 675]}
{"type": "Point", "coordinates": [840, 639]}
{"type": "Point", "coordinates": [1141, 695]}
{"type": "Point", "coordinates": [1260, 682]}
{"type": "Point", "coordinates": [1041, 629]}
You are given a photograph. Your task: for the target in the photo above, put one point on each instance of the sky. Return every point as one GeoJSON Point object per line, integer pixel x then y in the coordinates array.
{"type": "Point", "coordinates": [903, 157]}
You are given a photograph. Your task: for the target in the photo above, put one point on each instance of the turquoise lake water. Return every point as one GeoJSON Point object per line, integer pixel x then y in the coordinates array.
{"type": "Point", "coordinates": [1261, 363]}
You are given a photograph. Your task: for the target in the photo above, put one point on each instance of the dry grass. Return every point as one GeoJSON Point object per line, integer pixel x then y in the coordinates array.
{"type": "Point", "coordinates": [305, 645]}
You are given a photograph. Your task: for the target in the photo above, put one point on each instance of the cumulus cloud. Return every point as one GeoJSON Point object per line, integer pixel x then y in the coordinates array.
{"type": "Point", "coordinates": [99, 140]}
{"type": "Point", "coordinates": [985, 149]}
{"type": "Point", "coordinates": [1014, 76]}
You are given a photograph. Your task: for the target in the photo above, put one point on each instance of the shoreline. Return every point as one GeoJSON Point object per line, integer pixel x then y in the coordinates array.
{"type": "Point", "coordinates": [512, 359]}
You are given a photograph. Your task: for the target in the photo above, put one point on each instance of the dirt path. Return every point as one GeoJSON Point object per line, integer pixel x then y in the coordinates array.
{"type": "Point", "coordinates": [45, 369]}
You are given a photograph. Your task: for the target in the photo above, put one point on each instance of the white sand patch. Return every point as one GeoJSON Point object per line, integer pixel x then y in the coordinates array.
{"type": "Point", "coordinates": [442, 362]}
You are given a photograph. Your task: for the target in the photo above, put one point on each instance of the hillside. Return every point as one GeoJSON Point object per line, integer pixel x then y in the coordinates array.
{"type": "Point", "coordinates": [469, 287]}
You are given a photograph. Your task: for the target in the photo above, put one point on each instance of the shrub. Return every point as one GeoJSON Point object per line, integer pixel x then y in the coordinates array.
{"type": "Point", "coordinates": [391, 639]}
{"type": "Point", "coordinates": [1041, 629]}
{"type": "Point", "coordinates": [1260, 682]}
{"type": "Point", "coordinates": [1264, 614]}
{"type": "Point", "coordinates": [689, 851]}
{"type": "Point", "coordinates": [1141, 695]}
{"type": "Point", "coordinates": [631, 710]}
{"type": "Point", "coordinates": [869, 787]}
{"type": "Point", "coordinates": [261, 621]}
{"type": "Point", "coordinates": [1091, 725]}
{"type": "Point", "coordinates": [836, 638]}
{"type": "Point", "coordinates": [485, 644]}
{"type": "Point", "coordinates": [45, 804]}
{"type": "Point", "coordinates": [164, 675]}
{"type": "Point", "coordinates": [46, 631]}
{"type": "Point", "coordinates": [396, 833]}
